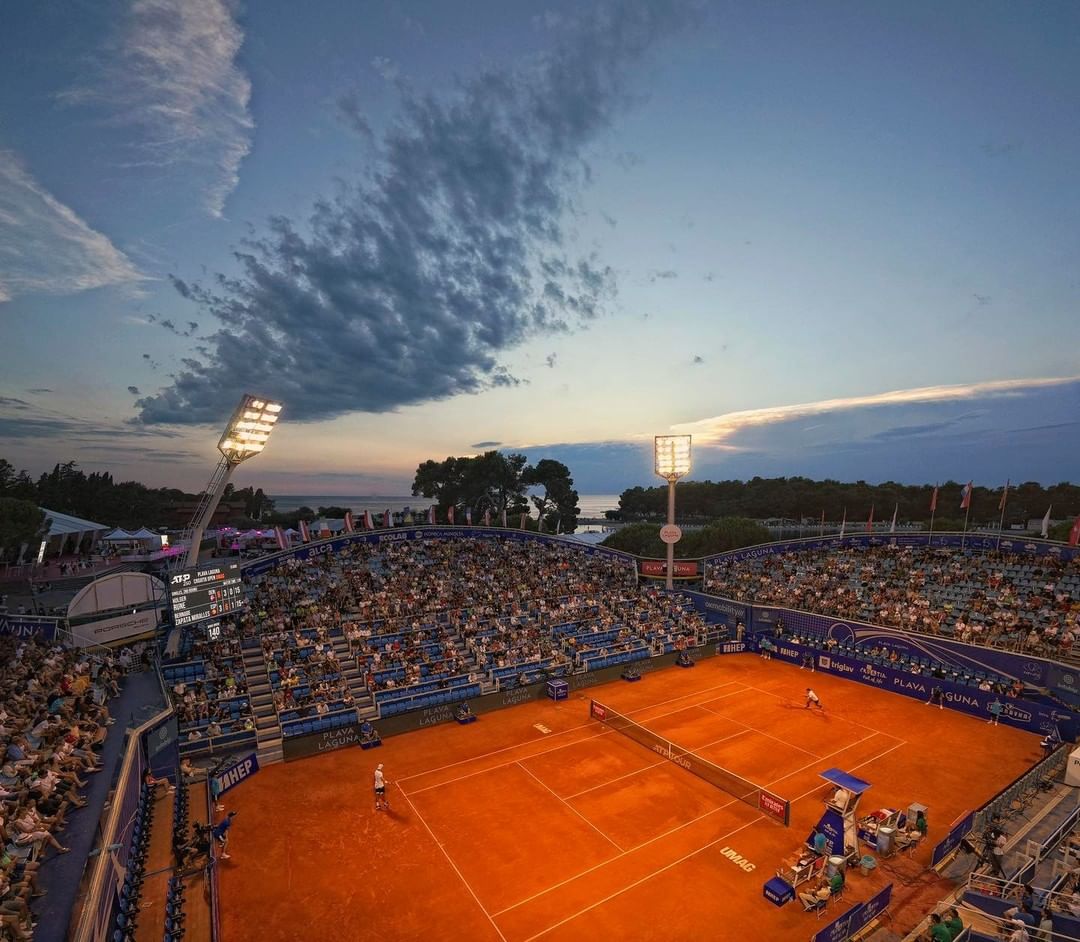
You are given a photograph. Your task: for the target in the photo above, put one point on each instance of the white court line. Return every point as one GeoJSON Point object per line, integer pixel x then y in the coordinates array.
{"type": "Point", "coordinates": [839, 716]}
{"type": "Point", "coordinates": [694, 853]}
{"type": "Point", "coordinates": [571, 807]}
{"type": "Point", "coordinates": [450, 861]}
{"type": "Point", "coordinates": [561, 732]}
{"type": "Point", "coordinates": [761, 732]}
{"type": "Point", "coordinates": [619, 778]}
{"type": "Point", "coordinates": [645, 878]}
{"type": "Point", "coordinates": [686, 824]}
{"type": "Point", "coordinates": [544, 752]}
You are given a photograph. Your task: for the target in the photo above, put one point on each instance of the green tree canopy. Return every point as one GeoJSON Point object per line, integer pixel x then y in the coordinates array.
{"type": "Point", "coordinates": [20, 522]}
{"type": "Point", "coordinates": [727, 533]}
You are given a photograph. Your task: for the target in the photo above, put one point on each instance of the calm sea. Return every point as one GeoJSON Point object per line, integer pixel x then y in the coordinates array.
{"type": "Point", "coordinates": [592, 505]}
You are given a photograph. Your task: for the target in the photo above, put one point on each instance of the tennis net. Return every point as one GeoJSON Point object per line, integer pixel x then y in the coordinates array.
{"type": "Point", "coordinates": [768, 803]}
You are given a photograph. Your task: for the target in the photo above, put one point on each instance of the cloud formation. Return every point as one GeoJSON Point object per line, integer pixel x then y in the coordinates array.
{"type": "Point", "coordinates": [406, 287]}
{"type": "Point", "coordinates": [45, 247]}
{"type": "Point", "coordinates": [175, 76]}
{"type": "Point", "coordinates": [721, 428]}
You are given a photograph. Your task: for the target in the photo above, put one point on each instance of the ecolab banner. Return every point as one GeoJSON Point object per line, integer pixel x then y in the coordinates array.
{"type": "Point", "coordinates": [1033, 717]}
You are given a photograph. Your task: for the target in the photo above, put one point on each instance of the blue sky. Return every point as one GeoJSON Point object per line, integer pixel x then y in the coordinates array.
{"type": "Point", "coordinates": [831, 239]}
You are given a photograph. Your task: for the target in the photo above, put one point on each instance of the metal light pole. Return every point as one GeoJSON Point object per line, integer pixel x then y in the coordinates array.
{"type": "Point", "coordinates": [672, 454]}
{"type": "Point", "coordinates": [246, 434]}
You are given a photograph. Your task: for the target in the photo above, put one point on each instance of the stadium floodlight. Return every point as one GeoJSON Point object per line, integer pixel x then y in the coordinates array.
{"type": "Point", "coordinates": [672, 454]}
{"type": "Point", "coordinates": [245, 436]}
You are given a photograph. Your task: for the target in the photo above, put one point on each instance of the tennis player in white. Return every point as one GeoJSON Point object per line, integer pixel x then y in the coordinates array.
{"type": "Point", "coordinates": [380, 789]}
{"type": "Point", "coordinates": [812, 700]}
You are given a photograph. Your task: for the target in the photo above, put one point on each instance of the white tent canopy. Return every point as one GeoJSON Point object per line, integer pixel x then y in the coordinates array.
{"type": "Point", "coordinates": [118, 535]}
{"type": "Point", "coordinates": [144, 534]}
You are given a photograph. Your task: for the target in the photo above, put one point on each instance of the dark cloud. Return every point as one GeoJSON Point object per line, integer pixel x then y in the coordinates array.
{"type": "Point", "coordinates": [551, 359]}
{"type": "Point", "coordinates": [662, 275]}
{"type": "Point", "coordinates": [134, 390]}
{"type": "Point", "coordinates": [709, 276]}
{"type": "Point", "coordinates": [406, 287]}
{"type": "Point", "coordinates": [351, 115]}
{"type": "Point", "coordinates": [7, 402]}
{"type": "Point", "coordinates": [169, 325]}
{"type": "Point", "coordinates": [182, 288]}
{"type": "Point", "coordinates": [39, 391]}
{"type": "Point", "coordinates": [610, 220]}
{"type": "Point", "coordinates": [698, 360]}
{"type": "Point", "coordinates": [151, 362]}
{"type": "Point", "coordinates": [486, 445]}
{"type": "Point", "coordinates": [982, 299]}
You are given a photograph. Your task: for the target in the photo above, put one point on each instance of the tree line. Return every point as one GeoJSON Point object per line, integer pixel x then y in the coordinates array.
{"type": "Point", "coordinates": [799, 498]}
{"type": "Point", "coordinates": [496, 483]}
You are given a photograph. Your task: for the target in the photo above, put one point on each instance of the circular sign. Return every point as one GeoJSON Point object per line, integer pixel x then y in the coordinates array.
{"type": "Point", "coordinates": [670, 533]}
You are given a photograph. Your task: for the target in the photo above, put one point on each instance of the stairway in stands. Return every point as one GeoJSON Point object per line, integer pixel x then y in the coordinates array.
{"type": "Point", "coordinates": [267, 728]}
{"type": "Point", "coordinates": [365, 702]}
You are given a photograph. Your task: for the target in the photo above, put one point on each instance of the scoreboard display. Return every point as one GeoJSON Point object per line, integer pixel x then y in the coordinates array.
{"type": "Point", "coordinates": [205, 592]}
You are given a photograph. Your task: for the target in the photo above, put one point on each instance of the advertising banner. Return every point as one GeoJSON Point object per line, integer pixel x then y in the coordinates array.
{"type": "Point", "coordinates": [684, 568]}
{"type": "Point", "coordinates": [239, 771]}
{"type": "Point", "coordinates": [952, 840]}
{"type": "Point", "coordinates": [1033, 717]}
{"type": "Point", "coordinates": [720, 611]}
{"type": "Point", "coordinates": [28, 626]}
{"type": "Point", "coordinates": [971, 657]}
{"type": "Point", "coordinates": [855, 919]}
{"type": "Point", "coordinates": [298, 747]}
{"type": "Point", "coordinates": [107, 630]}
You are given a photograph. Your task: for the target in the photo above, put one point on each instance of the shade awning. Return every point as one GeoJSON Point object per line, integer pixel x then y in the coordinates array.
{"type": "Point", "coordinates": [850, 782]}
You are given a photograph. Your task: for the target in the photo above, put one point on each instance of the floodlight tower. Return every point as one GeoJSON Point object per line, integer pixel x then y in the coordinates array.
{"type": "Point", "coordinates": [246, 435]}
{"type": "Point", "coordinates": [672, 462]}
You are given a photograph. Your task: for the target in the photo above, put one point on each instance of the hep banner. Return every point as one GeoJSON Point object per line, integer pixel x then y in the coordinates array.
{"type": "Point", "coordinates": [239, 771]}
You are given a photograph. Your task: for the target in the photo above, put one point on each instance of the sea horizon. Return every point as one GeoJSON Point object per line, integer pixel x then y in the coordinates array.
{"type": "Point", "coordinates": [591, 505]}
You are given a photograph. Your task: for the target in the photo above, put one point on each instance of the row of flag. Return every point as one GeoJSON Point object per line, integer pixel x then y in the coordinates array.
{"type": "Point", "coordinates": [368, 523]}
{"type": "Point", "coordinates": [965, 505]}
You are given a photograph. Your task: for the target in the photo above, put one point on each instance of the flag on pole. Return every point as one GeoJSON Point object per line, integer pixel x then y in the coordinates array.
{"type": "Point", "coordinates": [1004, 496]}
{"type": "Point", "coordinates": [305, 534]}
{"type": "Point", "coordinates": [892, 529]}
{"type": "Point", "coordinates": [450, 515]}
{"type": "Point", "coordinates": [965, 496]}
{"type": "Point", "coordinates": [523, 518]}
{"type": "Point", "coordinates": [487, 517]}
{"type": "Point", "coordinates": [431, 515]}
{"type": "Point", "coordinates": [870, 522]}
{"type": "Point", "coordinates": [1074, 533]}
{"type": "Point", "coordinates": [843, 523]}
{"type": "Point", "coordinates": [348, 521]}
{"type": "Point", "coordinates": [1046, 522]}
{"type": "Point", "coordinates": [539, 523]}
{"type": "Point", "coordinates": [369, 523]}
{"type": "Point", "coordinates": [468, 516]}
{"type": "Point", "coordinates": [388, 519]}
{"type": "Point", "coordinates": [933, 500]}
{"type": "Point", "coordinates": [504, 517]}
{"type": "Point", "coordinates": [281, 542]}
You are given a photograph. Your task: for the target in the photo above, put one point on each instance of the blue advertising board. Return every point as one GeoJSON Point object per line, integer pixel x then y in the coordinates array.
{"type": "Point", "coordinates": [1033, 717]}
{"type": "Point", "coordinates": [28, 626]}
{"type": "Point", "coordinates": [957, 654]}
{"type": "Point", "coordinates": [855, 919]}
{"type": "Point", "coordinates": [402, 534]}
{"type": "Point", "coordinates": [952, 840]}
{"type": "Point", "coordinates": [241, 770]}
{"type": "Point", "coordinates": [720, 611]}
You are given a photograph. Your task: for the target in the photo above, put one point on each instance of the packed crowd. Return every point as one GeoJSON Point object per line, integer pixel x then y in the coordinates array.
{"type": "Point", "coordinates": [209, 688]}
{"type": "Point", "coordinates": [437, 614]}
{"type": "Point", "coordinates": [53, 722]}
{"type": "Point", "coordinates": [1002, 600]}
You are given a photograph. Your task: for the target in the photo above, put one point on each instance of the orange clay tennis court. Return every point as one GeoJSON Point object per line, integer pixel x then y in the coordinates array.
{"type": "Point", "coordinates": [537, 822]}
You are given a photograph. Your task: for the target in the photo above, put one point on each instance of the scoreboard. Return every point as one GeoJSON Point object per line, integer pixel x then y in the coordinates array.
{"type": "Point", "coordinates": [205, 592]}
